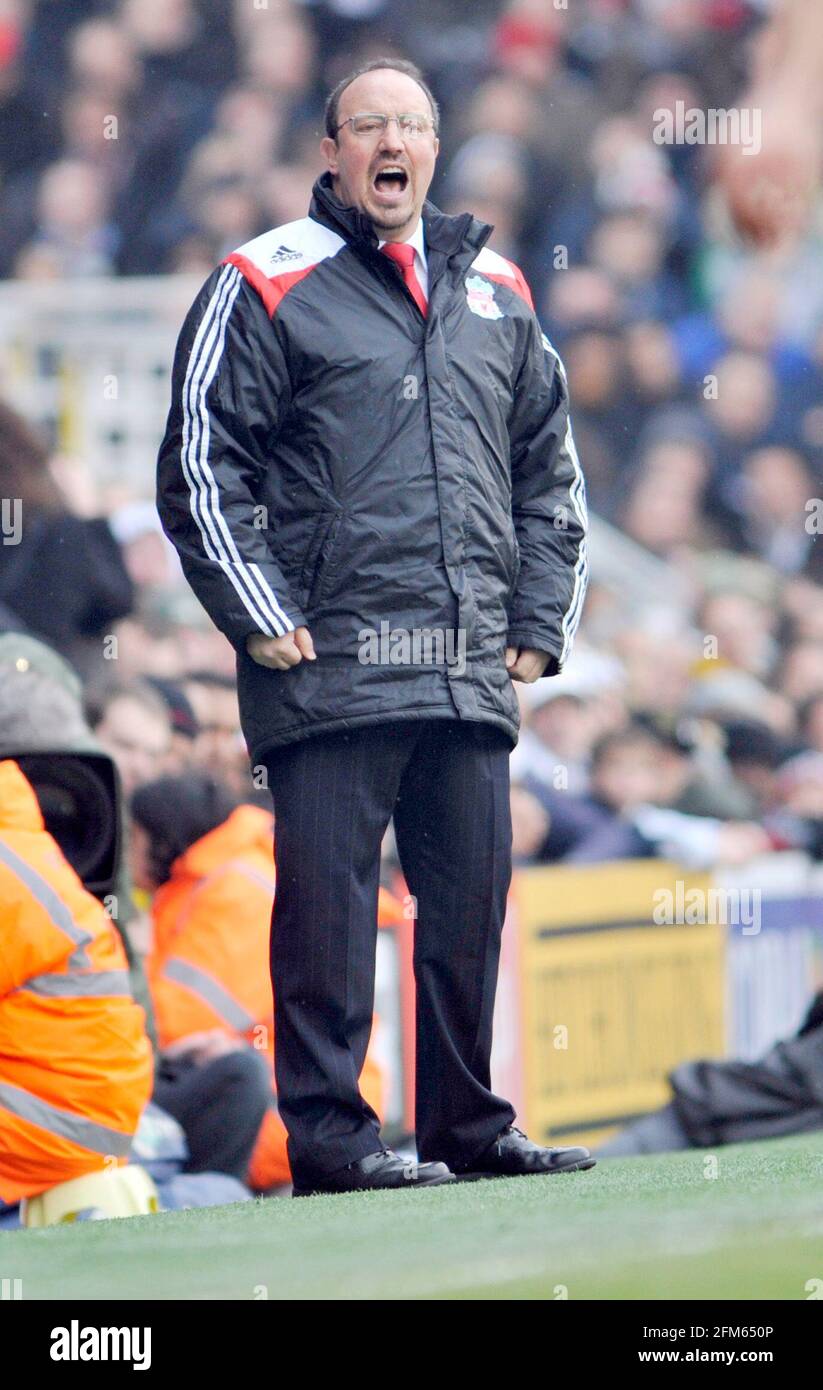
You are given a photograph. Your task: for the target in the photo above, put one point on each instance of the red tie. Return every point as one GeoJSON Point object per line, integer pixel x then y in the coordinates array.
{"type": "Point", "coordinates": [402, 253]}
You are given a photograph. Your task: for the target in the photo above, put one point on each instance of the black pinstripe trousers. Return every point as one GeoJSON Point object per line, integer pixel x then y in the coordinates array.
{"type": "Point", "coordinates": [446, 782]}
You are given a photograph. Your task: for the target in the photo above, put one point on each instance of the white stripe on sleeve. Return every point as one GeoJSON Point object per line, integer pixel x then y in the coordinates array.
{"type": "Point", "coordinates": [218, 542]}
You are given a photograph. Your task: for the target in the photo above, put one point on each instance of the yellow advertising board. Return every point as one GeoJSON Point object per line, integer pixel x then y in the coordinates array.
{"type": "Point", "coordinates": [621, 977]}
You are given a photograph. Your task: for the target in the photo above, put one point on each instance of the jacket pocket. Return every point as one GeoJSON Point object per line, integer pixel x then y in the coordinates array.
{"type": "Point", "coordinates": [317, 565]}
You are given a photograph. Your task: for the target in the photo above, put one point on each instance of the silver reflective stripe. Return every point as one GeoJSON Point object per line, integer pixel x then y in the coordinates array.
{"type": "Point", "coordinates": [98, 984]}
{"type": "Point", "coordinates": [50, 901]}
{"type": "Point", "coordinates": [87, 1133]}
{"type": "Point", "coordinates": [237, 866]}
{"type": "Point", "coordinates": [209, 989]}
{"type": "Point", "coordinates": [259, 878]}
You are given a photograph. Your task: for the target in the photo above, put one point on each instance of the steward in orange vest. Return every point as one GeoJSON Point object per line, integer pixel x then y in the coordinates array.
{"type": "Point", "coordinates": [209, 964]}
{"type": "Point", "coordinates": [75, 1061]}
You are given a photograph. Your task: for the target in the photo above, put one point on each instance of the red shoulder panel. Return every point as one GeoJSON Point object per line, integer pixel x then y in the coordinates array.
{"type": "Point", "coordinates": [271, 290]}
{"type": "Point", "coordinates": [516, 282]}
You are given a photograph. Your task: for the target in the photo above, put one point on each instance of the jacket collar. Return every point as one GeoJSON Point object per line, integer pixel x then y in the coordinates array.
{"type": "Point", "coordinates": [450, 235]}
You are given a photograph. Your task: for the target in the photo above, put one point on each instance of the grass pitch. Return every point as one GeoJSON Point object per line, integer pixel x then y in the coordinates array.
{"type": "Point", "coordinates": [645, 1228]}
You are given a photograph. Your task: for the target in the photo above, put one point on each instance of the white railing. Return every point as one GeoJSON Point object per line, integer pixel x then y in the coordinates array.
{"type": "Point", "coordinates": [90, 360]}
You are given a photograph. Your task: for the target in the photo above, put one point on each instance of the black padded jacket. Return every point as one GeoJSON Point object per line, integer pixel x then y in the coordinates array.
{"type": "Point", "coordinates": [406, 487]}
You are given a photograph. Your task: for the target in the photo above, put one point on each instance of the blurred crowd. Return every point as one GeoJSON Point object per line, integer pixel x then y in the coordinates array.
{"type": "Point", "coordinates": [152, 136]}
{"type": "Point", "coordinates": [148, 137]}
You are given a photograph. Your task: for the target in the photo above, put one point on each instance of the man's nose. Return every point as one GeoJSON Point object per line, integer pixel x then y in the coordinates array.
{"type": "Point", "coordinates": [392, 137]}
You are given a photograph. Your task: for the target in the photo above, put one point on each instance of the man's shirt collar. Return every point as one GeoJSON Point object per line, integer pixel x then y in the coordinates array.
{"type": "Point", "coordinates": [417, 240]}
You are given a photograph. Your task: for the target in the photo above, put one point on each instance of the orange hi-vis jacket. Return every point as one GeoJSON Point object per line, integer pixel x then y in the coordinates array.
{"type": "Point", "coordinates": [75, 1063]}
{"type": "Point", "coordinates": [209, 963]}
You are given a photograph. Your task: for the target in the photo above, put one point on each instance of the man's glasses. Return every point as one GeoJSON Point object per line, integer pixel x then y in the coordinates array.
{"type": "Point", "coordinates": [373, 123]}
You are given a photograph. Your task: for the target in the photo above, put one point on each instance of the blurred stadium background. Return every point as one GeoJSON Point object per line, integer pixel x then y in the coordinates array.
{"type": "Point", "coordinates": [143, 140]}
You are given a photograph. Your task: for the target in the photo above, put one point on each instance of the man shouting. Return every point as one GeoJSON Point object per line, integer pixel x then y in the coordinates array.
{"type": "Point", "coordinates": [369, 474]}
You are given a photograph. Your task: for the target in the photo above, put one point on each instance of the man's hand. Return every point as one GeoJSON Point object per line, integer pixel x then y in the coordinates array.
{"type": "Point", "coordinates": [525, 664]}
{"type": "Point", "coordinates": [531, 822]}
{"type": "Point", "coordinates": [772, 189]}
{"type": "Point", "coordinates": [772, 192]}
{"type": "Point", "coordinates": [281, 652]}
{"type": "Point", "coordinates": [739, 841]}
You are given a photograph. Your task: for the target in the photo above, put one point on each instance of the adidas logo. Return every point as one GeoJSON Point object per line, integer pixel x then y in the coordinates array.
{"type": "Point", "coordinates": [283, 253]}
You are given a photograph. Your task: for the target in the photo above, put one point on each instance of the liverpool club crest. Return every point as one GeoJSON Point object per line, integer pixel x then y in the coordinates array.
{"type": "Point", "coordinates": [480, 298]}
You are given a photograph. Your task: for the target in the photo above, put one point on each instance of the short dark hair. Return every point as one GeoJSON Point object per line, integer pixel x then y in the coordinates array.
{"type": "Point", "coordinates": [175, 812]}
{"type": "Point", "coordinates": [397, 65]}
{"type": "Point", "coordinates": [641, 728]}
{"type": "Point", "coordinates": [24, 460]}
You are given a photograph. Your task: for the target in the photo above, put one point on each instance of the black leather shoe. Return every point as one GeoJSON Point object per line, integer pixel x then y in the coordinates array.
{"type": "Point", "coordinates": [514, 1155]}
{"type": "Point", "coordinates": [384, 1169]}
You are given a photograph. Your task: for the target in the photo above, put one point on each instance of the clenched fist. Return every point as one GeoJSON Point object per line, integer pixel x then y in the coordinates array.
{"type": "Point", "coordinates": [281, 652]}
{"type": "Point", "coordinates": [526, 664]}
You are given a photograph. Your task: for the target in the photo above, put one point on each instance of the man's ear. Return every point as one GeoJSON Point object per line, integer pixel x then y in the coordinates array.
{"type": "Point", "coordinates": [330, 152]}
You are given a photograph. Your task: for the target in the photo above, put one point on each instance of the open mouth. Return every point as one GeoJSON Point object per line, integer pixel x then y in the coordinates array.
{"type": "Point", "coordinates": [390, 180]}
